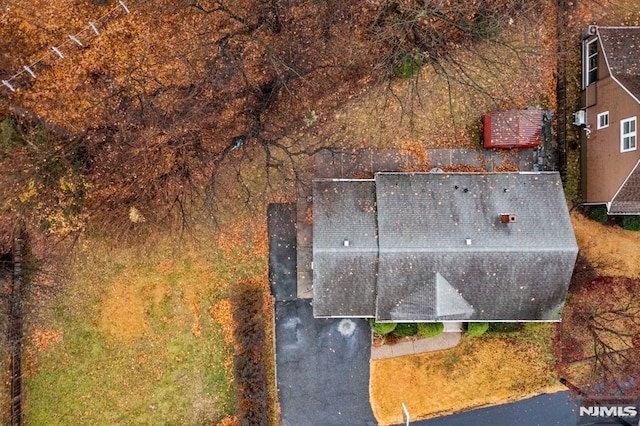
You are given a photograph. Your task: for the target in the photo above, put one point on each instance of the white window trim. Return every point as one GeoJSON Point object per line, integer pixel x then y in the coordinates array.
{"type": "Point", "coordinates": [628, 135]}
{"type": "Point", "coordinates": [603, 114]}
{"type": "Point", "coordinates": [587, 59]}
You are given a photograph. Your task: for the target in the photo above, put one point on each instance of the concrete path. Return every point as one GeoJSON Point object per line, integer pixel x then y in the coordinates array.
{"type": "Point", "coordinates": [438, 343]}
{"type": "Point", "coordinates": [322, 368]}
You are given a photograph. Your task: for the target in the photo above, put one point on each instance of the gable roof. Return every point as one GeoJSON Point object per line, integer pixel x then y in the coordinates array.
{"type": "Point", "coordinates": [443, 252]}
{"type": "Point", "coordinates": [619, 45]}
{"type": "Point", "coordinates": [627, 199]}
{"type": "Point", "coordinates": [344, 275]}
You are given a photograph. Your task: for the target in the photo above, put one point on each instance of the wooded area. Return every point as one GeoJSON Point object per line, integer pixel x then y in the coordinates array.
{"type": "Point", "coordinates": [162, 115]}
{"type": "Point", "coordinates": [186, 103]}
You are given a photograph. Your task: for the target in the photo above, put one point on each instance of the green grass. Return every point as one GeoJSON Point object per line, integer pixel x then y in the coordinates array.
{"type": "Point", "coordinates": [89, 381]}
{"type": "Point", "coordinates": [129, 353]}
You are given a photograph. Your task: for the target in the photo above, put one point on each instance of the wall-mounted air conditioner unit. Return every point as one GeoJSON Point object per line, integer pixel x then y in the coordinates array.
{"type": "Point", "coordinates": [580, 118]}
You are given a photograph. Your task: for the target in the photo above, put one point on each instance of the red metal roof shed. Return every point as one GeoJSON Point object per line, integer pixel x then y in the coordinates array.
{"type": "Point", "coordinates": [513, 128]}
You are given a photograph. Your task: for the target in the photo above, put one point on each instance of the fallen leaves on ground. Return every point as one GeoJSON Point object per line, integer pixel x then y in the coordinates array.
{"type": "Point", "coordinates": [439, 383]}
{"type": "Point", "coordinates": [607, 247]}
{"type": "Point", "coordinates": [43, 339]}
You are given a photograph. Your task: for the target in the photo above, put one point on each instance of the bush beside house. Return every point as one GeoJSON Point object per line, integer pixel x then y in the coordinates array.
{"type": "Point", "coordinates": [404, 329]}
{"type": "Point", "coordinates": [430, 329]}
{"type": "Point", "coordinates": [382, 328]}
{"type": "Point", "coordinates": [426, 329]}
{"type": "Point", "coordinates": [477, 328]}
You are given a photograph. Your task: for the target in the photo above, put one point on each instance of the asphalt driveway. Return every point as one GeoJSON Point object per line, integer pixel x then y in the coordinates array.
{"type": "Point", "coordinates": [322, 368]}
{"type": "Point", "coordinates": [541, 410]}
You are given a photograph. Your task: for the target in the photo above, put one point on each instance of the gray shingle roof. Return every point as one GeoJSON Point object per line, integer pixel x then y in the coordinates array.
{"type": "Point", "coordinates": [444, 253]}
{"type": "Point", "coordinates": [344, 277]}
{"type": "Point", "coordinates": [627, 200]}
{"type": "Point", "coordinates": [438, 211]}
{"type": "Point", "coordinates": [620, 45]}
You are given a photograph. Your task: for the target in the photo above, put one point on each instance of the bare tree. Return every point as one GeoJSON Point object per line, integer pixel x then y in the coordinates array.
{"type": "Point", "coordinates": [159, 120]}
{"type": "Point", "coordinates": [599, 339]}
{"type": "Point", "coordinates": [202, 100]}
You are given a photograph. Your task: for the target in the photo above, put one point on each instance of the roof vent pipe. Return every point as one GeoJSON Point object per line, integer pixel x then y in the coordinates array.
{"type": "Point", "coordinates": [468, 241]}
{"type": "Point", "coordinates": [345, 243]}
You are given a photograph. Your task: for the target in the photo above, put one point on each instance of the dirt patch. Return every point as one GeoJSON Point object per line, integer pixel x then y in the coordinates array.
{"type": "Point", "coordinates": [444, 382]}
{"type": "Point", "coordinates": [391, 339]}
{"type": "Point", "coordinates": [123, 312]}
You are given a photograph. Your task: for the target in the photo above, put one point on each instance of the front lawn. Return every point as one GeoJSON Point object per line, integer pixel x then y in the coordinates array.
{"type": "Point", "coordinates": [480, 371]}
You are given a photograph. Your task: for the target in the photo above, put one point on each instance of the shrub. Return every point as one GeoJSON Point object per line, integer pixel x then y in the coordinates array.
{"type": "Point", "coordinates": [250, 372]}
{"type": "Point", "coordinates": [382, 328]}
{"type": "Point", "coordinates": [406, 329]}
{"type": "Point", "coordinates": [631, 223]}
{"type": "Point", "coordinates": [598, 213]}
{"type": "Point", "coordinates": [430, 329]}
{"type": "Point", "coordinates": [477, 328]}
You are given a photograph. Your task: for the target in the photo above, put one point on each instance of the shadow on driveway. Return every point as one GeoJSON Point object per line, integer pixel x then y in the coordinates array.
{"type": "Point", "coordinates": [323, 368]}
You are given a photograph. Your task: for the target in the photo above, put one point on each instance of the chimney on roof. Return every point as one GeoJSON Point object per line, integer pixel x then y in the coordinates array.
{"type": "Point", "coordinates": [508, 218]}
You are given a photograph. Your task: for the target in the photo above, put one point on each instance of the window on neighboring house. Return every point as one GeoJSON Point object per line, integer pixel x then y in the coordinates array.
{"type": "Point", "coordinates": [603, 120]}
{"type": "Point", "coordinates": [591, 62]}
{"type": "Point", "coordinates": [628, 134]}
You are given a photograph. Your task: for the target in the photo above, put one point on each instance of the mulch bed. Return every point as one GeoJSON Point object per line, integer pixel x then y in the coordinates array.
{"type": "Point", "coordinates": [391, 339]}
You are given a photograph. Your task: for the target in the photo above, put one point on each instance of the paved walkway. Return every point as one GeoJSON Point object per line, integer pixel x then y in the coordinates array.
{"type": "Point", "coordinates": [449, 339]}
{"type": "Point", "coordinates": [438, 343]}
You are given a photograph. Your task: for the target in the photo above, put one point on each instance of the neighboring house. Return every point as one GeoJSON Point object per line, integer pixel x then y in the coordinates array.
{"type": "Point", "coordinates": [609, 118]}
{"type": "Point", "coordinates": [442, 247]}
